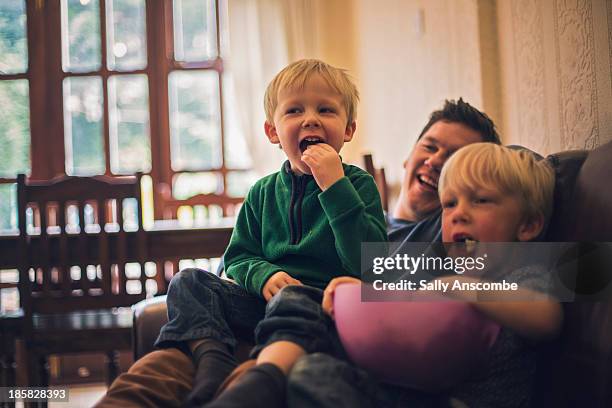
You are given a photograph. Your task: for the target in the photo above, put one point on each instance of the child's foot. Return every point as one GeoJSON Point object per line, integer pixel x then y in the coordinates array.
{"type": "Point", "coordinates": [260, 386]}
{"type": "Point", "coordinates": [214, 362]}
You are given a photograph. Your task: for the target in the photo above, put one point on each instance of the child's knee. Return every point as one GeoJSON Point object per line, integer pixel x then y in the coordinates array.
{"type": "Point", "coordinates": [289, 292]}
{"type": "Point", "coordinates": [296, 301]}
{"type": "Point", "coordinates": [189, 277]}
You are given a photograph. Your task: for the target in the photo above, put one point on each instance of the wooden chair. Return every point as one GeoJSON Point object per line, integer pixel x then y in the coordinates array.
{"type": "Point", "coordinates": [72, 275]}
{"type": "Point", "coordinates": [10, 330]}
{"type": "Point", "coordinates": [379, 179]}
{"type": "Point", "coordinates": [227, 204]}
{"type": "Point", "coordinates": [11, 322]}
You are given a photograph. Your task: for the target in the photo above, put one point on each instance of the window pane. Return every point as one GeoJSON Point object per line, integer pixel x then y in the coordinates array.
{"type": "Point", "coordinates": [128, 110]}
{"type": "Point", "coordinates": [13, 40]}
{"type": "Point", "coordinates": [83, 126]}
{"type": "Point", "coordinates": [195, 30]}
{"type": "Point", "coordinates": [195, 123]}
{"type": "Point", "coordinates": [237, 153]}
{"type": "Point", "coordinates": [8, 207]}
{"type": "Point", "coordinates": [14, 128]}
{"type": "Point", "coordinates": [80, 35]}
{"type": "Point", "coordinates": [125, 25]}
{"type": "Point", "coordinates": [187, 185]}
{"type": "Point", "coordinates": [239, 182]}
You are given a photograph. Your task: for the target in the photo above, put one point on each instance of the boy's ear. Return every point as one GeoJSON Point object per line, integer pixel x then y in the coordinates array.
{"type": "Point", "coordinates": [270, 130]}
{"type": "Point", "coordinates": [531, 228]}
{"type": "Point", "coordinates": [350, 131]}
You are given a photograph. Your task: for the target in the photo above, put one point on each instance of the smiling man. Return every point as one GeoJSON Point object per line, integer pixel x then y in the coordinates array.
{"type": "Point", "coordinates": [416, 217]}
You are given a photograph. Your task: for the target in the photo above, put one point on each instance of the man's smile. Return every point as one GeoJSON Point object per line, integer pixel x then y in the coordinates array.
{"type": "Point", "coordinates": [427, 181]}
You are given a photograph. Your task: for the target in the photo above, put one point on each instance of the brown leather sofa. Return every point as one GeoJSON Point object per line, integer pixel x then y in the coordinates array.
{"type": "Point", "coordinates": [576, 370]}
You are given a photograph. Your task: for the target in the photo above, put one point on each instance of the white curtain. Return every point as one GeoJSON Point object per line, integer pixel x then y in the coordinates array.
{"type": "Point", "coordinates": [264, 36]}
{"type": "Point", "coordinates": [301, 28]}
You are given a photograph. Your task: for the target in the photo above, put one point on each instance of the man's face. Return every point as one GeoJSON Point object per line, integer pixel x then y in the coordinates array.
{"type": "Point", "coordinates": [422, 168]}
{"type": "Point", "coordinates": [313, 114]}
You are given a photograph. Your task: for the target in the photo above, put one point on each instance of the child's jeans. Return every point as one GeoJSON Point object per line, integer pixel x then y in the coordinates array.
{"type": "Point", "coordinates": [202, 305]}
{"type": "Point", "coordinates": [295, 314]}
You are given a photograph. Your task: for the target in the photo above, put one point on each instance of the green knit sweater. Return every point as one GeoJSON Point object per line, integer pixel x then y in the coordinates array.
{"type": "Point", "coordinates": [288, 224]}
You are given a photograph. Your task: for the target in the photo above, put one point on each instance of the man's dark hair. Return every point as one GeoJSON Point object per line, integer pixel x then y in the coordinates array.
{"type": "Point", "coordinates": [467, 115]}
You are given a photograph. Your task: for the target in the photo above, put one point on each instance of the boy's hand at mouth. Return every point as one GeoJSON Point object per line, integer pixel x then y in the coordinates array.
{"type": "Point", "coordinates": [324, 163]}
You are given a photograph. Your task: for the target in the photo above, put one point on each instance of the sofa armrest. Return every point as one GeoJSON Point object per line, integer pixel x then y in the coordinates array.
{"type": "Point", "coordinates": [149, 317]}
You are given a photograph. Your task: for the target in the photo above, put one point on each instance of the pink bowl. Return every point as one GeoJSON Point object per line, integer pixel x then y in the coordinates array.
{"type": "Point", "coordinates": [427, 345]}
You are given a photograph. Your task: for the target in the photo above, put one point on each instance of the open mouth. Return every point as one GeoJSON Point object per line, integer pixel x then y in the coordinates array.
{"type": "Point", "coordinates": [469, 241]}
{"type": "Point", "coordinates": [308, 142]}
{"type": "Point", "coordinates": [427, 181]}
{"type": "Point", "coordinates": [465, 238]}
{"type": "Point", "coordinates": [464, 242]}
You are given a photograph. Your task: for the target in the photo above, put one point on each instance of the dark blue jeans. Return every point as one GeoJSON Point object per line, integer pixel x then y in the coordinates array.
{"type": "Point", "coordinates": [294, 314]}
{"type": "Point", "coordinates": [202, 305]}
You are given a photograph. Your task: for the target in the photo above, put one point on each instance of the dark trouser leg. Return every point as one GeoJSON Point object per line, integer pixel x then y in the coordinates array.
{"type": "Point", "coordinates": [320, 380]}
{"type": "Point", "coordinates": [203, 306]}
{"type": "Point", "coordinates": [261, 386]}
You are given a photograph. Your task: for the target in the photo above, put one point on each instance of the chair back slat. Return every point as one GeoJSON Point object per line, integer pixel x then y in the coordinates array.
{"type": "Point", "coordinates": [45, 265]}
{"type": "Point", "coordinates": [379, 178]}
{"type": "Point", "coordinates": [141, 241]}
{"type": "Point", "coordinates": [121, 248]}
{"type": "Point", "coordinates": [228, 205]}
{"type": "Point", "coordinates": [84, 281]}
{"type": "Point", "coordinates": [57, 248]}
{"type": "Point", "coordinates": [103, 247]}
{"type": "Point", "coordinates": [66, 284]}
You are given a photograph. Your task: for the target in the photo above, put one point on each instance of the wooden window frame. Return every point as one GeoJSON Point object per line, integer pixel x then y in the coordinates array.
{"type": "Point", "coordinates": [45, 75]}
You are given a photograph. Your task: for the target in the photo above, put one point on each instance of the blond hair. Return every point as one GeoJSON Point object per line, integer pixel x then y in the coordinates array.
{"type": "Point", "coordinates": [515, 172]}
{"type": "Point", "coordinates": [297, 73]}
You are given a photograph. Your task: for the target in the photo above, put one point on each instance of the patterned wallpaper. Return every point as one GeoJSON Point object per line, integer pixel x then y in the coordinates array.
{"type": "Point", "coordinates": [528, 49]}
{"type": "Point", "coordinates": [576, 74]}
{"type": "Point", "coordinates": [556, 70]}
